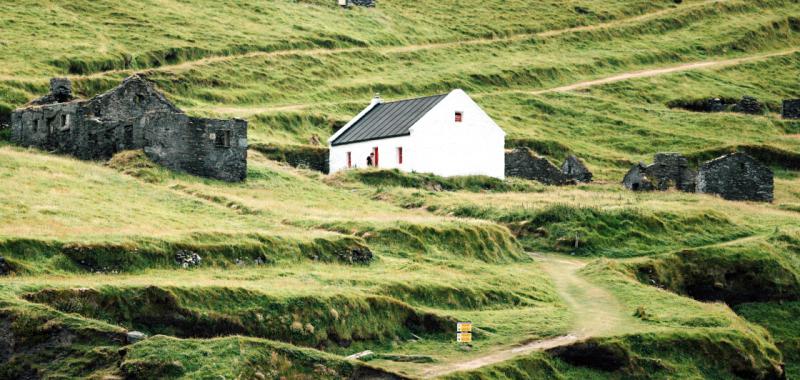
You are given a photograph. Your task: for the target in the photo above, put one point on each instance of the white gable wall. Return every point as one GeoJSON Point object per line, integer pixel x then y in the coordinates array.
{"type": "Point", "coordinates": [437, 143]}
{"type": "Point", "coordinates": [475, 146]}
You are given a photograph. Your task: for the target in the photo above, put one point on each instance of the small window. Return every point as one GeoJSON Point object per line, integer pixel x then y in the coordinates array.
{"type": "Point", "coordinates": [35, 125]}
{"type": "Point", "coordinates": [63, 121]}
{"type": "Point", "coordinates": [349, 160]}
{"type": "Point", "coordinates": [400, 155]}
{"type": "Point", "coordinates": [459, 116]}
{"type": "Point", "coordinates": [223, 139]}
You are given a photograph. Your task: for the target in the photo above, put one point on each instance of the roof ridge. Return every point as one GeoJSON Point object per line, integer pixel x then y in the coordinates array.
{"type": "Point", "coordinates": [417, 98]}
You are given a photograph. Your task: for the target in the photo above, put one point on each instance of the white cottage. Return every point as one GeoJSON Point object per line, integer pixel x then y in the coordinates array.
{"type": "Point", "coordinates": [448, 135]}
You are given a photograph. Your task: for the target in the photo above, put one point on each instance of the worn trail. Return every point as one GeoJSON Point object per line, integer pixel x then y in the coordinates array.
{"type": "Point", "coordinates": [392, 49]}
{"type": "Point", "coordinates": [596, 312]}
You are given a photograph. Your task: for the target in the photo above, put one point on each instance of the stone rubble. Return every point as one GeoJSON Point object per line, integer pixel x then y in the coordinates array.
{"type": "Point", "coordinates": [187, 259]}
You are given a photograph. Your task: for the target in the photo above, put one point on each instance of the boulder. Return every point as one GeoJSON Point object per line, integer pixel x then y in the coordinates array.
{"type": "Point", "coordinates": [736, 176]}
{"type": "Point", "coordinates": [523, 163]}
{"type": "Point", "coordinates": [574, 168]}
{"type": "Point", "coordinates": [187, 259]}
{"type": "Point", "coordinates": [135, 336]}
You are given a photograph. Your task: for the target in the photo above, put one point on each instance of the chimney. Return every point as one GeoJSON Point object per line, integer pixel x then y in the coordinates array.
{"type": "Point", "coordinates": [376, 99]}
{"type": "Point", "coordinates": [61, 89]}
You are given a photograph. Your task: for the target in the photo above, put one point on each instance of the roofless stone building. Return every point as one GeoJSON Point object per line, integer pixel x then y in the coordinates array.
{"type": "Point", "coordinates": [133, 115]}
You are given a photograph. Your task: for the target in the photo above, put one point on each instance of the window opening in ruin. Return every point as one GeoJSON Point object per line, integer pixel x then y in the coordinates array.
{"type": "Point", "coordinates": [35, 125]}
{"type": "Point", "coordinates": [128, 140]}
{"type": "Point", "coordinates": [51, 125]}
{"type": "Point", "coordinates": [63, 121]}
{"type": "Point", "coordinates": [223, 139]}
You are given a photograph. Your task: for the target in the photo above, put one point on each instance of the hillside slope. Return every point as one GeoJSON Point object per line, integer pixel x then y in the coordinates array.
{"type": "Point", "coordinates": [286, 274]}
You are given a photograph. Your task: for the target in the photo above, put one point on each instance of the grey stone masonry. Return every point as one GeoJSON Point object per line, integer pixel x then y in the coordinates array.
{"type": "Point", "coordinates": [574, 168]}
{"type": "Point", "coordinates": [736, 176]}
{"type": "Point", "coordinates": [791, 109]}
{"type": "Point", "coordinates": [523, 163]}
{"type": "Point", "coordinates": [668, 170]}
{"type": "Point", "coordinates": [133, 115]}
{"type": "Point", "coordinates": [60, 92]}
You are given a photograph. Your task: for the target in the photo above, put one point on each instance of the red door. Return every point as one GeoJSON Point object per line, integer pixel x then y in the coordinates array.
{"type": "Point", "coordinates": [375, 150]}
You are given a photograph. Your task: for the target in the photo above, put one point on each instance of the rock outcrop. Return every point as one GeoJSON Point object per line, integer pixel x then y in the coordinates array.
{"type": "Point", "coordinates": [736, 176]}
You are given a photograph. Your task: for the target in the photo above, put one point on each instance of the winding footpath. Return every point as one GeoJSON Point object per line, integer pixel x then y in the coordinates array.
{"type": "Point", "coordinates": [596, 312]}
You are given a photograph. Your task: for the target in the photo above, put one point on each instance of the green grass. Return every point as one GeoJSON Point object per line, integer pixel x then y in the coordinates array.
{"type": "Point", "coordinates": [92, 245]}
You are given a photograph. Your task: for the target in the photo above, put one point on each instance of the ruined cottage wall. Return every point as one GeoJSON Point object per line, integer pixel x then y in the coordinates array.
{"type": "Point", "coordinates": [736, 176]}
{"type": "Point", "coordinates": [53, 127]}
{"type": "Point", "coordinates": [69, 128]}
{"type": "Point", "coordinates": [523, 163]}
{"type": "Point", "coordinates": [130, 101]}
{"type": "Point", "coordinates": [791, 109]}
{"type": "Point", "coordinates": [204, 147]}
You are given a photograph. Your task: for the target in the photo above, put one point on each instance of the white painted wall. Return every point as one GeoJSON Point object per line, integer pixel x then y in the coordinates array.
{"type": "Point", "coordinates": [437, 143]}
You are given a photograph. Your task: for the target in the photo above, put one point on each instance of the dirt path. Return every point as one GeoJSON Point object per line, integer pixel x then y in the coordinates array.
{"type": "Point", "coordinates": [595, 311]}
{"type": "Point", "coordinates": [416, 47]}
{"type": "Point", "coordinates": [713, 64]}
{"type": "Point", "coordinates": [664, 70]}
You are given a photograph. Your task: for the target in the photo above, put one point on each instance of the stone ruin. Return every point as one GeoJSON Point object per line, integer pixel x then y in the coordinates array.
{"type": "Point", "coordinates": [133, 115]}
{"type": "Point", "coordinates": [523, 163]}
{"type": "Point", "coordinates": [791, 109]}
{"type": "Point", "coordinates": [574, 168]}
{"type": "Point", "coordinates": [668, 170]}
{"type": "Point", "coordinates": [359, 3]}
{"type": "Point", "coordinates": [747, 104]}
{"type": "Point", "coordinates": [736, 176]}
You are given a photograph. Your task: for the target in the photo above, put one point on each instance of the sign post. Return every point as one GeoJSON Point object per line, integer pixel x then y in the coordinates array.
{"type": "Point", "coordinates": [464, 332]}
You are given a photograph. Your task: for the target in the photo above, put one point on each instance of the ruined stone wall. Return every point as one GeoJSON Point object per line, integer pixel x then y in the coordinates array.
{"type": "Point", "coordinates": [668, 170]}
{"type": "Point", "coordinates": [791, 109]}
{"type": "Point", "coordinates": [672, 169]}
{"type": "Point", "coordinates": [575, 168]}
{"type": "Point", "coordinates": [523, 163]}
{"type": "Point", "coordinates": [203, 147]}
{"type": "Point", "coordinates": [362, 3]}
{"type": "Point", "coordinates": [736, 176]}
{"type": "Point", "coordinates": [135, 116]}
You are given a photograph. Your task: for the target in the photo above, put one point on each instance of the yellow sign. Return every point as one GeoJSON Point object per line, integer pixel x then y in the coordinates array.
{"type": "Point", "coordinates": [464, 332]}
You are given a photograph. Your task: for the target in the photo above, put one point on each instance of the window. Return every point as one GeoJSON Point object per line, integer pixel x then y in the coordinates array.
{"type": "Point", "coordinates": [35, 125]}
{"type": "Point", "coordinates": [459, 116]}
{"type": "Point", "coordinates": [349, 160]}
{"type": "Point", "coordinates": [63, 121]}
{"type": "Point", "coordinates": [223, 139]}
{"type": "Point", "coordinates": [400, 155]}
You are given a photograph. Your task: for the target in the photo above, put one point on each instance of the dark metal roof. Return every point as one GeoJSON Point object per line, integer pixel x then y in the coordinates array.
{"type": "Point", "coordinates": [388, 120]}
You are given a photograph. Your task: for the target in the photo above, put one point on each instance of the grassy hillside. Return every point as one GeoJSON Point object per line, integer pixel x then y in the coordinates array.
{"type": "Point", "coordinates": [298, 269]}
